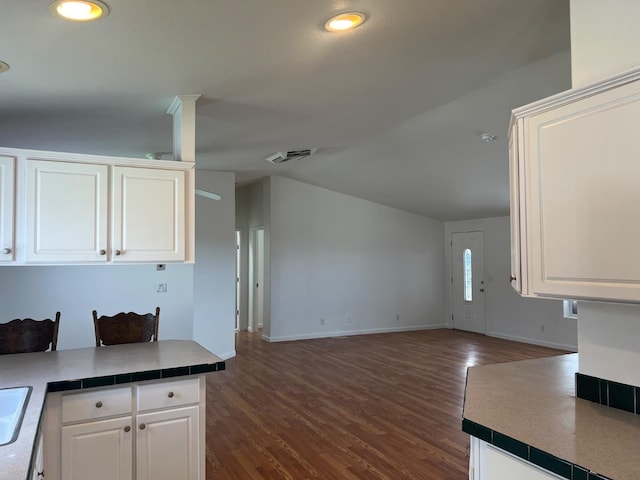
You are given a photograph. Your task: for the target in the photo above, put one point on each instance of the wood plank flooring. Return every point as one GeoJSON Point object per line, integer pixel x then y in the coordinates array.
{"type": "Point", "coordinates": [370, 407]}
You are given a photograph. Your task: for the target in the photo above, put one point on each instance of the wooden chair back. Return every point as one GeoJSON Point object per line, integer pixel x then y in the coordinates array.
{"type": "Point", "coordinates": [126, 328]}
{"type": "Point", "coordinates": [28, 335]}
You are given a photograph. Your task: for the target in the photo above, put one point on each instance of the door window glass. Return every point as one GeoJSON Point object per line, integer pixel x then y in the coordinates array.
{"type": "Point", "coordinates": [468, 280]}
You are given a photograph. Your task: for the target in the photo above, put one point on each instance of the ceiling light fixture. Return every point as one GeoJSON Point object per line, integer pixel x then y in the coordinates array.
{"type": "Point", "coordinates": [79, 10]}
{"type": "Point", "coordinates": [345, 21]}
{"type": "Point", "coordinates": [487, 137]}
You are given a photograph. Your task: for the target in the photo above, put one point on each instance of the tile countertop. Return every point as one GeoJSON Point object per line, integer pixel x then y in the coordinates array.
{"type": "Point", "coordinates": [534, 402]}
{"type": "Point", "coordinates": [78, 368]}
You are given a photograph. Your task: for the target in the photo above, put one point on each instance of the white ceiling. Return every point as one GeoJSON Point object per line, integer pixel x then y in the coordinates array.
{"type": "Point", "coordinates": [394, 107]}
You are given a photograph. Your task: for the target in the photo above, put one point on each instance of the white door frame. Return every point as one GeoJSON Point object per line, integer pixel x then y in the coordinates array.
{"type": "Point", "coordinates": [479, 322]}
{"type": "Point", "coordinates": [254, 258]}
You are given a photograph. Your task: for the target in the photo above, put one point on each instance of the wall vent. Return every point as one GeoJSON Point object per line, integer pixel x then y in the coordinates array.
{"type": "Point", "coordinates": [289, 156]}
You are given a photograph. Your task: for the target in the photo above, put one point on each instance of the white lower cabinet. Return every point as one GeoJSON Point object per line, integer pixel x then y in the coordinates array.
{"type": "Point", "coordinates": [168, 445]}
{"type": "Point", "coordinates": [142, 431]}
{"type": "Point", "coordinates": [101, 450]}
{"type": "Point", "coordinates": [491, 463]}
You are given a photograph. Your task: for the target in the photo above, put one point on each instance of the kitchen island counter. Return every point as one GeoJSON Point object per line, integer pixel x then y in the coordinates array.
{"type": "Point", "coordinates": [529, 409]}
{"type": "Point", "coordinates": [86, 368]}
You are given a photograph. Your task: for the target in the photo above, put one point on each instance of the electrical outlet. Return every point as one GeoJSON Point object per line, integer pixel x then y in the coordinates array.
{"type": "Point", "coordinates": [161, 288]}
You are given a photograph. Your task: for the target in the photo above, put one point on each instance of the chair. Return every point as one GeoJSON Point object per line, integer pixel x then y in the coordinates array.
{"type": "Point", "coordinates": [28, 335]}
{"type": "Point", "coordinates": [126, 328]}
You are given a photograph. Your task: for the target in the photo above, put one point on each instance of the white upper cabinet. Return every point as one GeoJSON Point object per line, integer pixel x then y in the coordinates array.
{"type": "Point", "coordinates": [575, 171]}
{"type": "Point", "coordinates": [148, 215]}
{"type": "Point", "coordinates": [61, 208]}
{"type": "Point", "coordinates": [66, 211]}
{"type": "Point", "coordinates": [7, 195]}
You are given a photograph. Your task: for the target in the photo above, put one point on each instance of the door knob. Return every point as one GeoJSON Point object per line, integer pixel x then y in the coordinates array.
{"type": "Point", "coordinates": [117, 252]}
{"type": "Point", "coordinates": [170, 395]}
{"type": "Point", "coordinates": [99, 405]}
{"type": "Point", "coordinates": [127, 428]}
{"type": "Point", "coordinates": [142, 426]}
{"type": "Point", "coordinates": [103, 252]}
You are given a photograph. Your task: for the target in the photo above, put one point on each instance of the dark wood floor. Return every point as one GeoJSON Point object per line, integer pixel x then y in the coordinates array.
{"type": "Point", "coordinates": [368, 407]}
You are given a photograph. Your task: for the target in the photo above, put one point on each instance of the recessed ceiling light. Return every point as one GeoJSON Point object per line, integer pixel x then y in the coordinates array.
{"type": "Point", "coordinates": [345, 21]}
{"type": "Point", "coordinates": [79, 10]}
{"type": "Point", "coordinates": [3, 66]}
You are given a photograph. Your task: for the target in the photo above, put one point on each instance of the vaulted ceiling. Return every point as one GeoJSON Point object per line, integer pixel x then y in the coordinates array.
{"type": "Point", "coordinates": [395, 108]}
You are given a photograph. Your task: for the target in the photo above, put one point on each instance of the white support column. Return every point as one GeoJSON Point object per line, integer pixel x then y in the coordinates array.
{"type": "Point", "coordinates": [183, 109]}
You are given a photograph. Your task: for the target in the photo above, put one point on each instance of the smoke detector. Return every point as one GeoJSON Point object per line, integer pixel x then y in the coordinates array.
{"type": "Point", "coordinates": [289, 156]}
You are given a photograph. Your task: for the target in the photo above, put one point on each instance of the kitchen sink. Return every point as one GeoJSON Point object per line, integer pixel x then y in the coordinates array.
{"type": "Point", "coordinates": [13, 402]}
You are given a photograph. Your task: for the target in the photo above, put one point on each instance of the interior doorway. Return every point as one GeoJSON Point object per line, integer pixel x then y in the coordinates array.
{"type": "Point", "coordinates": [256, 279]}
{"type": "Point", "coordinates": [238, 274]}
{"type": "Point", "coordinates": [467, 281]}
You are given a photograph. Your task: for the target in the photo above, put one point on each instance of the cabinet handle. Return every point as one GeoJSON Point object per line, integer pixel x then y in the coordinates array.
{"type": "Point", "coordinates": [117, 252]}
{"type": "Point", "coordinates": [142, 426]}
{"type": "Point", "coordinates": [6, 251]}
{"type": "Point", "coordinates": [103, 252]}
{"type": "Point", "coordinates": [99, 405]}
{"type": "Point", "coordinates": [41, 474]}
{"type": "Point", "coordinates": [512, 278]}
{"type": "Point", "coordinates": [170, 395]}
{"type": "Point", "coordinates": [127, 428]}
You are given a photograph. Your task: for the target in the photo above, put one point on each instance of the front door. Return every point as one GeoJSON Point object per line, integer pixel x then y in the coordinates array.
{"type": "Point", "coordinates": [467, 270]}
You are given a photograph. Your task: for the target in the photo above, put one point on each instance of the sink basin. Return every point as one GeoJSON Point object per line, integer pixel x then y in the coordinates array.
{"type": "Point", "coordinates": [13, 402]}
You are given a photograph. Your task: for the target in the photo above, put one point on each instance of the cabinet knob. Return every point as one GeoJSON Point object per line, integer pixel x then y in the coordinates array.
{"type": "Point", "coordinates": [170, 395]}
{"type": "Point", "coordinates": [142, 426]}
{"type": "Point", "coordinates": [512, 278]}
{"type": "Point", "coordinates": [98, 404]}
{"type": "Point", "coordinates": [6, 251]}
{"type": "Point", "coordinates": [117, 252]}
{"type": "Point", "coordinates": [103, 252]}
{"type": "Point", "coordinates": [482, 290]}
{"type": "Point", "coordinates": [127, 428]}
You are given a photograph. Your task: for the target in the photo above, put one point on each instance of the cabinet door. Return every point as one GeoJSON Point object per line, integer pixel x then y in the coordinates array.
{"type": "Point", "coordinates": [100, 450]}
{"type": "Point", "coordinates": [66, 210]}
{"type": "Point", "coordinates": [148, 215]}
{"type": "Point", "coordinates": [37, 469]}
{"type": "Point", "coordinates": [168, 445]}
{"type": "Point", "coordinates": [516, 277]}
{"type": "Point", "coordinates": [7, 192]}
{"type": "Point", "coordinates": [499, 465]}
{"type": "Point", "coordinates": [583, 196]}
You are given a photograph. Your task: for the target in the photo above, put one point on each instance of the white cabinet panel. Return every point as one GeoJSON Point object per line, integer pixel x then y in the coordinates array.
{"type": "Point", "coordinates": [7, 218]}
{"type": "Point", "coordinates": [574, 185]}
{"type": "Point", "coordinates": [66, 211]}
{"type": "Point", "coordinates": [148, 214]}
{"type": "Point", "coordinates": [101, 450]}
{"type": "Point", "coordinates": [168, 445]}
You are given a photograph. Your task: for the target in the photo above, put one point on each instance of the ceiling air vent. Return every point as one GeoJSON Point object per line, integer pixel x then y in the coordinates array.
{"type": "Point", "coordinates": [291, 155]}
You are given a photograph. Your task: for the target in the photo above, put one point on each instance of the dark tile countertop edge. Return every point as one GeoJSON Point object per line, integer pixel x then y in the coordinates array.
{"type": "Point", "coordinates": [74, 369]}
{"type": "Point", "coordinates": [533, 455]}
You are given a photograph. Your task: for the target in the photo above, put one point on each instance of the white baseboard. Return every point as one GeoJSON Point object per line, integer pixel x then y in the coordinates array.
{"type": "Point", "coordinates": [227, 356]}
{"type": "Point", "coordinates": [542, 343]}
{"type": "Point", "coordinates": [345, 333]}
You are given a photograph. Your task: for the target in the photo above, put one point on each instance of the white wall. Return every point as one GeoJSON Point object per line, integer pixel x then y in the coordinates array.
{"type": "Point", "coordinates": [604, 38]}
{"type": "Point", "coordinates": [508, 314]}
{"type": "Point", "coordinates": [354, 263]}
{"type": "Point", "coordinates": [214, 290]}
{"type": "Point", "coordinates": [39, 291]}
